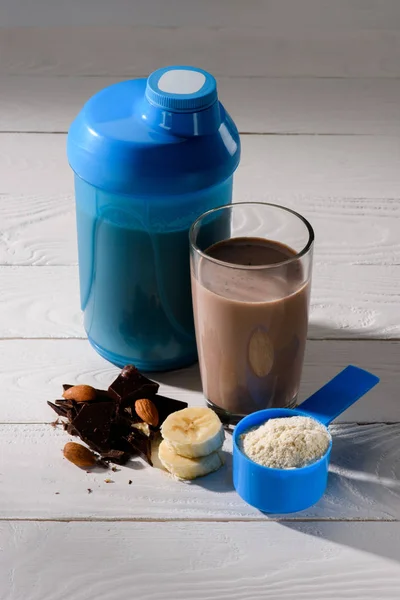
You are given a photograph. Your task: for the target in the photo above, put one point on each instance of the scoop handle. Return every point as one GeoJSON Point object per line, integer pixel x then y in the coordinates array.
{"type": "Point", "coordinates": [338, 394]}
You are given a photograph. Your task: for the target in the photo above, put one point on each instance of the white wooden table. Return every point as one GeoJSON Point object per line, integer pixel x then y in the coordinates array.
{"type": "Point", "coordinates": [320, 133]}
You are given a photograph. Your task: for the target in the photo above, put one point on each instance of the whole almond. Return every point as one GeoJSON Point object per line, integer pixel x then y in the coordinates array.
{"type": "Point", "coordinates": [79, 455]}
{"type": "Point", "coordinates": [146, 410]}
{"type": "Point", "coordinates": [80, 393]}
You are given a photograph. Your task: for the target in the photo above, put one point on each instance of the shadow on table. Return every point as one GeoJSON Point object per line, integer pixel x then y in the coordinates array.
{"type": "Point", "coordinates": [364, 478]}
{"type": "Point", "coordinates": [220, 481]}
{"type": "Point", "coordinates": [374, 537]}
{"type": "Point", "coordinates": [187, 379]}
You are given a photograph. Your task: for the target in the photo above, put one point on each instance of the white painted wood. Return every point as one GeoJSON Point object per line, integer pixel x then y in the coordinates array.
{"type": "Point", "coordinates": [347, 186]}
{"type": "Point", "coordinates": [272, 15]}
{"type": "Point", "coordinates": [347, 301]}
{"type": "Point", "coordinates": [363, 484]}
{"type": "Point", "coordinates": [258, 105]}
{"type": "Point", "coordinates": [167, 561]}
{"type": "Point", "coordinates": [41, 229]}
{"type": "Point", "coordinates": [38, 230]}
{"type": "Point", "coordinates": [235, 50]}
{"type": "Point", "coordinates": [285, 166]}
{"type": "Point", "coordinates": [334, 166]}
{"type": "Point", "coordinates": [33, 371]}
{"type": "Point", "coordinates": [40, 302]}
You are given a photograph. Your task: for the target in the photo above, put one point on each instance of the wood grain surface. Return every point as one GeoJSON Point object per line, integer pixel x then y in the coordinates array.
{"type": "Point", "coordinates": [258, 104]}
{"type": "Point", "coordinates": [171, 561]}
{"type": "Point", "coordinates": [362, 167]}
{"type": "Point", "coordinates": [33, 371]}
{"type": "Point", "coordinates": [314, 88]}
{"type": "Point", "coordinates": [353, 16]}
{"type": "Point", "coordinates": [347, 301]}
{"type": "Point", "coordinates": [133, 51]}
{"type": "Point", "coordinates": [40, 229]}
{"type": "Point", "coordinates": [347, 186]}
{"type": "Point", "coordinates": [363, 484]}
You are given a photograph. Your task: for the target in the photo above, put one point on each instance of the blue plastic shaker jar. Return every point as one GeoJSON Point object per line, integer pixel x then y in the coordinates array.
{"type": "Point", "coordinates": [149, 157]}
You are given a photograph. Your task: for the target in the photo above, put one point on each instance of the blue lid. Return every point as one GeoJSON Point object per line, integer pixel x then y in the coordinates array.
{"type": "Point", "coordinates": [168, 134]}
{"type": "Point", "coordinates": [181, 89]}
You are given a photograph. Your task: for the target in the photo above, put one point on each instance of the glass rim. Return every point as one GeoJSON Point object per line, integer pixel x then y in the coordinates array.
{"type": "Point", "coordinates": [297, 256]}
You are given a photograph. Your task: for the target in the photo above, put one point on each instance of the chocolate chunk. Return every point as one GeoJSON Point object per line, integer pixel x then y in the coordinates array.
{"type": "Point", "coordinates": [131, 385]}
{"type": "Point", "coordinates": [60, 410]}
{"type": "Point", "coordinates": [93, 423]}
{"type": "Point", "coordinates": [140, 444]}
{"type": "Point", "coordinates": [165, 406]}
{"type": "Point", "coordinates": [105, 423]}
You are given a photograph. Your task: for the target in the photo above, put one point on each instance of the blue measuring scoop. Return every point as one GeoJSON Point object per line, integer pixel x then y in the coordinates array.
{"type": "Point", "coordinates": [290, 490]}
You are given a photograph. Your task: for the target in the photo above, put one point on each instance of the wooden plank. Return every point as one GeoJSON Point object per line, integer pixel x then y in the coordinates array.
{"type": "Point", "coordinates": [347, 186]}
{"type": "Point", "coordinates": [258, 105]}
{"type": "Point", "coordinates": [363, 484]}
{"type": "Point", "coordinates": [252, 561]}
{"type": "Point", "coordinates": [272, 166]}
{"type": "Point", "coordinates": [235, 50]}
{"type": "Point", "coordinates": [347, 301]}
{"type": "Point", "coordinates": [40, 229]}
{"type": "Point", "coordinates": [32, 371]}
{"type": "Point", "coordinates": [305, 15]}
{"type": "Point", "coordinates": [334, 166]}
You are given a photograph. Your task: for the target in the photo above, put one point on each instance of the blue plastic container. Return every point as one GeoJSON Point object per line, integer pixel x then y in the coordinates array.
{"type": "Point", "coordinates": [149, 157]}
{"type": "Point", "coordinates": [291, 490]}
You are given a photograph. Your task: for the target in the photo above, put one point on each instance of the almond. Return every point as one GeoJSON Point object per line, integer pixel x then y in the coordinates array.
{"type": "Point", "coordinates": [146, 410]}
{"type": "Point", "coordinates": [79, 455]}
{"type": "Point", "coordinates": [80, 393]}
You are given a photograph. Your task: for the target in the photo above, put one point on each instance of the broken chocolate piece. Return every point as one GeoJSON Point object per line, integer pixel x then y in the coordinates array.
{"type": "Point", "coordinates": [93, 424]}
{"type": "Point", "coordinates": [140, 444]}
{"type": "Point", "coordinates": [165, 406]}
{"type": "Point", "coordinates": [60, 410]}
{"type": "Point", "coordinates": [131, 385]}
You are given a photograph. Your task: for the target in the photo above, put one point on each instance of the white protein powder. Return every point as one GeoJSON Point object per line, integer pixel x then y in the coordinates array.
{"type": "Point", "coordinates": [286, 443]}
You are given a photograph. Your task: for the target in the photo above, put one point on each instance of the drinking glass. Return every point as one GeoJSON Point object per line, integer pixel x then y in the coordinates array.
{"type": "Point", "coordinates": [251, 276]}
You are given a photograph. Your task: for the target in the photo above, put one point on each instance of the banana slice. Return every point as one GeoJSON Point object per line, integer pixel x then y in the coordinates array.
{"type": "Point", "coordinates": [188, 468]}
{"type": "Point", "coordinates": [193, 432]}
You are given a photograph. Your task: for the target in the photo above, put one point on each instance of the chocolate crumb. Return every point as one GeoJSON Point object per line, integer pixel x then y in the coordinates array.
{"type": "Point", "coordinates": [114, 469]}
{"type": "Point", "coordinates": [89, 491]}
{"type": "Point", "coordinates": [130, 482]}
{"type": "Point", "coordinates": [57, 493]}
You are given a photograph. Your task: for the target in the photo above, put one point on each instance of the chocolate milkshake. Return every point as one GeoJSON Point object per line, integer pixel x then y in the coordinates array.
{"type": "Point", "coordinates": [250, 301]}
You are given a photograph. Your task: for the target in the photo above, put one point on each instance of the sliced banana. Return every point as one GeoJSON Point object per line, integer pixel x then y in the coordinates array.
{"type": "Point", "coordinates": [193, 432]}
{"type": "Point", "coordinates": [188, 468]}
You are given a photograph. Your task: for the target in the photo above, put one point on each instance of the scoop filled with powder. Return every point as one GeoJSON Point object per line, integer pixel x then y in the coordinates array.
{"type": "Point", "coordinates": [286, 443]}
{"type": "Point", "coordinates": [281, 456]}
